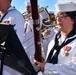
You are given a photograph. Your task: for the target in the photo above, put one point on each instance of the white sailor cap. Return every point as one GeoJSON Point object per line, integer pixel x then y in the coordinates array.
{"type": "Point", "coordinates": [65, 7]}
{"type": "Point", "coordinates": [28, 3]}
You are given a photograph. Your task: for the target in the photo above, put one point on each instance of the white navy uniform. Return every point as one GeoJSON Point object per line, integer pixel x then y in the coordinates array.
{"type": "Point", "coordinates": [15, 18]}
{"type": "Point", "coordinates": [29, 38]}
{"type": "Point", "coordinates": [66, 64]}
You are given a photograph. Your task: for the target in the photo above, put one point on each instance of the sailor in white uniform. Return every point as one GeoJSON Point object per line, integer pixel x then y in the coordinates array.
{"type": "Point", "coordinates": [11, 16]}
{"type": "Point", "coordinates": [15, 18]}
{"type": "Point", "coordinates": [48, 32]}
{"type": "Point", "coordinates": [61, 54]}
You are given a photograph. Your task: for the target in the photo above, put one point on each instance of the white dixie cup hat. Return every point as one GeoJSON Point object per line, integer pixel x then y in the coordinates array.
{"type": "Point", "coordinates": [65, 7]}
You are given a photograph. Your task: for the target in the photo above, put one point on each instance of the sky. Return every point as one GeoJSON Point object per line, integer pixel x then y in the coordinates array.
{"type": "Point", "coordinates": [20, 4]}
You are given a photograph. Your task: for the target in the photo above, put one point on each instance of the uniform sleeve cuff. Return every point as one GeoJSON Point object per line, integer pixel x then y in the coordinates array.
{"type": "Point", "coordinates": [49, 66]}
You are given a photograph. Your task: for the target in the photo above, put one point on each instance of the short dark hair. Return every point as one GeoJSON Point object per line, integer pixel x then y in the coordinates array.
{"type": "Point", "coordinates": [72, 15]}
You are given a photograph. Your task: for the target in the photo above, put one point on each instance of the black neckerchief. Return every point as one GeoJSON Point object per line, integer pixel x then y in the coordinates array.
{"type": "Point", "coordinates": [57, 47]}
{"type": "Point", "coordinates": [1, 18]}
